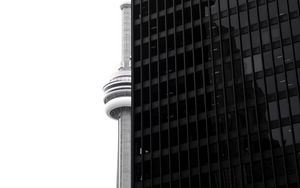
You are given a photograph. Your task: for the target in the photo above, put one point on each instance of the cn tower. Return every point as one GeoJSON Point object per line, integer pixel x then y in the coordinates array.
{"type": "Point", "coordinates": [117, 99]}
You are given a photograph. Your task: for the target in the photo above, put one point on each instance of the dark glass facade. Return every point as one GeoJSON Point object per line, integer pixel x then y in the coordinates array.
{"type": "Point", "coordinates": [216, 93]}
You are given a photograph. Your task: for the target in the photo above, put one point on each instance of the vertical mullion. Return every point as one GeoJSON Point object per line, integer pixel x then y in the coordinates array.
{"type": "Point", "coordinates": [286, 88]}
{"type": "Point", "coordinates": [158, 77]}
{"type": "Point", "coordinates": [298, 92]}
{"type": "Point", "coordinates": [265, 99]}
{"type": "Point", "coordinates": [223, 80]}
{"type": "Point", "coordinates": [276, 87]}
{"type": "Point", "coordinates": [175, 57]}
{"type": "Point", "coordinates": [211, 54]}
{"type": "Point", "coordinates": [150, 97]}
{"type": "Point", "coordinates": [234, 93]}
{"type": "Point", "coordinates": [178, 135]}
{"type": "Point", "coordinates": [186, 88]}
{"type": "Point", "coordinates": [167, 68]}
{"type": "Point", "coordinates": [202, 66]}
{"type": "Point", "coordinates": [214, 80]}
{"type": "Point", "coordinates": [244, 90]}
{"type": "Point", "coordinates": [255, 98]}
{"type": "Point", "coordinates": [132, 97]}
{"type": "Point", "coordinates": [195, 88]}
{"type": "Point", "coordinates": [234, 88]}
{"type": "Point", "coordinates": [254, 90]}
{"type": "Point", "coordinates": [141, 79]}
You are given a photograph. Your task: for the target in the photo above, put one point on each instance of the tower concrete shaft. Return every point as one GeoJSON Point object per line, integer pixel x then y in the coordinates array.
{"type": "Point", "coordinates": [124, 150]}
{"type": "Point", "coordinates": [117, 99]}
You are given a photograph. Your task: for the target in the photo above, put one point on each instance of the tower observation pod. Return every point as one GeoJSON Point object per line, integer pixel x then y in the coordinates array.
{"type": "Point", "coordinates": [117, 99]}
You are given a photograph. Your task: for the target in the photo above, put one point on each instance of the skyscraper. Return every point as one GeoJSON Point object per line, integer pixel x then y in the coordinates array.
{"type": "Point", "coordinates": [216, 93]}
{"type": "Point", "coordinates": [117, 101]}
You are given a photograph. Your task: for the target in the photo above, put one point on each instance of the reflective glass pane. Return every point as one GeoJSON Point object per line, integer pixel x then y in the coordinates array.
{"type": "Point", "coordinates": [295, 106]}
{"type": "Point", "coordinates": [273, 111]}
{"type": "Point", "coordinates": [287, 136]}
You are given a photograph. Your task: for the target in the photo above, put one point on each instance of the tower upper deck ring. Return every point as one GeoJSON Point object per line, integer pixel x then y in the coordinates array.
{"type": "Point", "coordinates": [117, 93]}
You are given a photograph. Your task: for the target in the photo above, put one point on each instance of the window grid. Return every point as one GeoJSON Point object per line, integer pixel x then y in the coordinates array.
{"type": "Point", "coordinates": [210, 91]}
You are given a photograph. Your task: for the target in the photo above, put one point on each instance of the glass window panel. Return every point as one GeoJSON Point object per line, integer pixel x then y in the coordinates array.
{"type": "Point", "coordinates": [263, 13]}
{"type": "Point", "coordinates": [253, 16]}
{"type": "Point", "coordinates": [292, 80]}
{"type": "Point", "coordinates": [290, 164]}
{"type": "Point", "coordinates": [279, 167]}
{"type": "Point", "coordinates": [234, 21]}
{"type": "Point", "coordinates": [243, 19]}
{"type": "Point", "coordinates": [247, 173]}
{"type": "Point", "coordinates": [282, 4]}
{"type": "Point", "coordinates": [268, 168]}
{"type": "Point", "coordinates": [275, 33]}
{"type": "Point", "coordinates": [208, 77]}
{"type": "Point", "coordinates": [214, 7]}
{"type": "Point", "coordinates": [288, 54]}
{"type": "Point", "coordinates": [223, 5]}
{"type": "Point", "coordinates": [293, 5]}
{"type": "Point", "coordinates": [268, 62]}
{"type": "Point", "coordinates": [276, 138]}
{"type": "Point", "coordinates": [260, 88]}
{"type": "Point", "coordinates": [257, 63]}
{"type": "Point", "coordinates": [178, 17]}
{"type": "Point", "coordinates": [285, 30]}
{"type": "Point", "coordinates": [287, 135]}
{"type": "Point", "coordinates": [227, 72]}
{"type": "Point", "coordinates": [262, 116]}
{"type": "Point", "coordinates": [255, 39]}
{"type": "Point", "coordinates": [252, 120]}
{"type": "Point", "coordinates": [236, 46]}
{"type": "Point", "coordinates": [281, 82]}
{"type": "Point", "coordinates": [241, 2]}
{"type": "Point", "coordinates": [273, 111]}
{"type": "Point", "coordinates": [229, 96]}
{"type": "Point", "coordinates": [221, 124]}
{"type": "Point", "coordinates": [284, 108]}
{"type": "Point", "coordinates": [231, 121]}
{"type": "Point", "coordinates": [225, 25]}
{"type": "Point", "coordinates": [295, 105]}
{"type": "Point", "coordinates": [297, 133]}
{"type": "Point", "coordinates": [203, 155]}
{"type": "Point", "coordinates": [297, 49]}
{"type": "Point", "coordinates": [265, 141]}
{"type": "Point", "coordinates": [272, 9]}
{"type": "Point", "coordinates": [295, 26]}
{"type": "Point", "coordinates": [210, 102]}
{"type": "Point", "coordinates": [233, 149]}
{"type": "Point", "coordinates": [298, 72]}
{"type": "Point", "coordinates": [223, 149]}
{"type": "Point", "coordinates": [239, 93]}
{"type": "Point", "coordinates": [257, 172]}
{"type": "Point", "coordinates": [187, 14]}
{"type": "Point", "coordinates": [248, 69]}
{"type": "Point", "coordinates": [265, 36]}
{"type": "Point", "coordinates": [278, 56]}
{"type": "Point", "coordinates": [270, 84]}
{"type": "Point", "coordinates": [219, 98]}
{"type": "Point", "coordinates": [232, 3]}
{"type": "Point", "coordinates": [206, 11]}
{"type": "Point", "coordinates": [213, 153]}
{"type": "Point", "coordinates": [211, 124]}
{"type": "Point", "coordinates": [245, 42]}
{"type": "Point", "coordinates": [241, 119]}
{"type": "Point", "coordinates": [202, 130]}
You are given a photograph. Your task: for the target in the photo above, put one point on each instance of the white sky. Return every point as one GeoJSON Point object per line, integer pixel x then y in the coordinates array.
{"type": "Point", "coordinates": [55, 56]}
